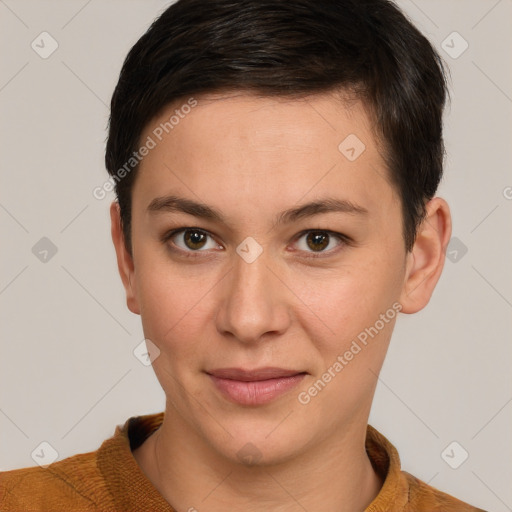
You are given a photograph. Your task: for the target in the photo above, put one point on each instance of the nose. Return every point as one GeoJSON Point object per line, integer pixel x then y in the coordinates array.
{"type": "Point", "coordinates": [254, 302]}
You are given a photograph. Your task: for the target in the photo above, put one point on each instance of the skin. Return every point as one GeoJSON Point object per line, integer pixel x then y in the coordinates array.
{"type": "Point", "coordinates": [251, 158]}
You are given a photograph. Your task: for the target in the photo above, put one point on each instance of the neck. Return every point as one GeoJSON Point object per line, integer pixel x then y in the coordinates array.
{"type": "Point", "coordinates": [333, 475]}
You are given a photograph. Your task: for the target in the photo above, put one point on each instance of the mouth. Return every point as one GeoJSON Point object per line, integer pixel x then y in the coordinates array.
{"type": "Point", "coordinates": [254, 387]}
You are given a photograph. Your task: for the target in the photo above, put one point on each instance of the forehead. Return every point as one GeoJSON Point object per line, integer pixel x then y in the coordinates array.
{"type": "Point", "coordinates": [239, 149]}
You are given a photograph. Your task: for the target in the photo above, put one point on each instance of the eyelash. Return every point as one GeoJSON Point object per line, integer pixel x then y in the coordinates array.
{"type": "Point", "coordinates": [343, 240]}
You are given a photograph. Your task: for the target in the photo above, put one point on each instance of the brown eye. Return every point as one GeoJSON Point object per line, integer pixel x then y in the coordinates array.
{"type": "Point", "coordinates": [195, 239]}
{"type": "Point", "coordinates": [317, 240]}
{"type": "Point", "coordinates": [191, 240]}
{"type": "Point", "coordinates": [320, 242]}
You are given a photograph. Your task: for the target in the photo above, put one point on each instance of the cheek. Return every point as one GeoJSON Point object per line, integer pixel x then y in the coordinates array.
{"type": "Point", "coordinates": [358, 310]}
{"type": "Point", "coordinates": [352, 300]}
{"type": "Point", "coordinates": [172, 306]}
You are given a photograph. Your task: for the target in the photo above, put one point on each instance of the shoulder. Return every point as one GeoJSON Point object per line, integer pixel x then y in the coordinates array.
{"type": "Point", "coordinates": [402, 492]}
{"type": "Point", "coordinates": [74, 483]}
{"type": "Point", "coordinates": [424, 497]}
{"type": "Point", "coordinates": [107, 479]}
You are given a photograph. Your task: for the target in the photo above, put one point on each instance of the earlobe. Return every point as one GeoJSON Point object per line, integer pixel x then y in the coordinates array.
{"type": "Point", "coordinates": [426, 260]}
{"type": "Point", "coordinates": [124, 259]}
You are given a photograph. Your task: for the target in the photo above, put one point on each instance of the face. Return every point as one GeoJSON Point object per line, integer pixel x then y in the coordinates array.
{"type": "Point", "coordinates": [268, 268]}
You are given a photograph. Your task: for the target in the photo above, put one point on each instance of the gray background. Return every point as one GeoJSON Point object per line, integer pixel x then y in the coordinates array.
{"type": "Point", "coordinates": [67, 370]}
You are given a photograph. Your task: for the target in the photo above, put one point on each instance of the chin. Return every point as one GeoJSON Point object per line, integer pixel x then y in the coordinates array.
{"type": "Point", "coordinates": [265, 444]}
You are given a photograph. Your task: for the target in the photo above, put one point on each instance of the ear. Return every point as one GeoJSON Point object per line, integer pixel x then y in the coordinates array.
{"type": "Point", "coordinates": [426, 260]}
{"type": "Point", "coordinates": [124, 259]}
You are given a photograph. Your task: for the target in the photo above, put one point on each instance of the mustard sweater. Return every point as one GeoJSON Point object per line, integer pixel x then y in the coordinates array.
{"type": "Point", "coordinates": [109, 480]}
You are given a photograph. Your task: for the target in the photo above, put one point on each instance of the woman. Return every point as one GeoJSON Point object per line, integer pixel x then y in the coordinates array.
{"type": "Point", "coordinates": [275, 164]}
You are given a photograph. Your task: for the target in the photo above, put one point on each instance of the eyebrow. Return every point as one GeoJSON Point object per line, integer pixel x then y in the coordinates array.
{"type": "Point", "coordinates": [327, 205]}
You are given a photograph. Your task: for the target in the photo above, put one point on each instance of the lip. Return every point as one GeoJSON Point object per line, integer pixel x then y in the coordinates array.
{"type": "Point", "coordinates": [254, 387]}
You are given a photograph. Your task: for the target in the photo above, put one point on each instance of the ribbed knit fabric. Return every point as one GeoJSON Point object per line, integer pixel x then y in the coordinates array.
{"type": "Point", "coordinates": [109, 480]}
